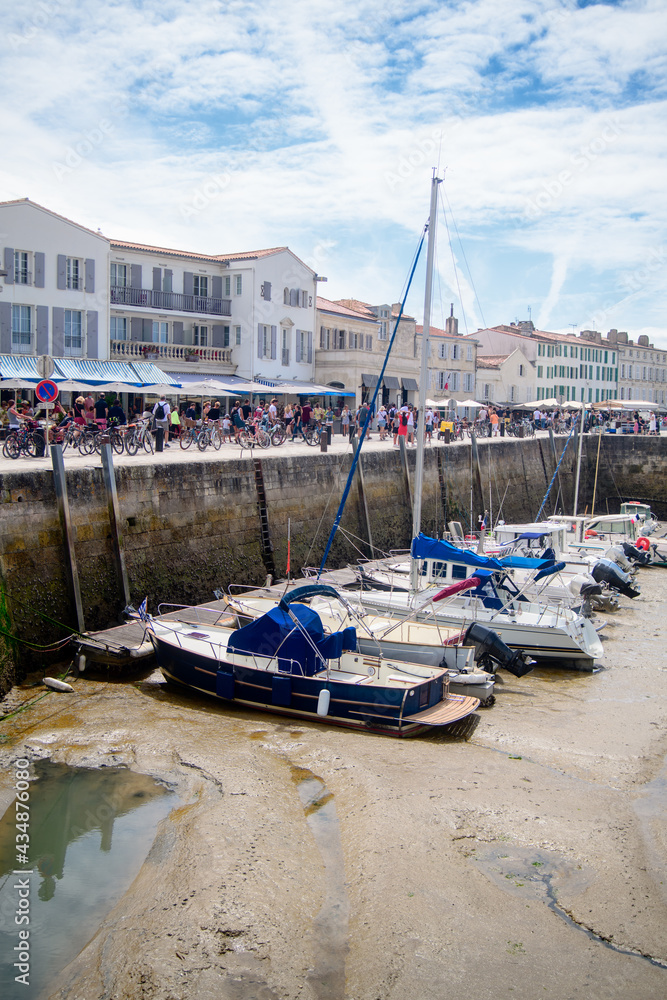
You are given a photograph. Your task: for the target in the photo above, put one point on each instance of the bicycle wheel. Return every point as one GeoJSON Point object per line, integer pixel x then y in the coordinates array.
{"type": "Point", "coordinates": [311, 436]}
{"type": "Point", "coordinates": [278, 436]}
{"type": "Point", "coordinates": [246, 440]}
{"type": "Point", "coordinates": [216, 439]}
{"type": "Point", "coordinates": [203, 439]}
{"type": "Point", "coordinates": [147, 442]}
{"type": "Point", "coordinates": [11, 448]}
{"type": "Point", "coordinates": [117, 442]}
{"type": "Point", "coordinates": [186, 439]}
{"type": "Point", "coordinates": [263, 438]}
{"type": "Point", "coordinates": [131, 444]}
{"type": "Point", "coordinates": [87, 443]}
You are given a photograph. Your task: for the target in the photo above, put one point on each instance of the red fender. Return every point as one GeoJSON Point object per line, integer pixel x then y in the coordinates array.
{"type": "Point", "coordinates": [456, 588]}
{"type": "Point", "coordinates": [643, 543]}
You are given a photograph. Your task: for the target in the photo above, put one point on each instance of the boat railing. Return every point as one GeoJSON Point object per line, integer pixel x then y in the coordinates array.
{"type": "Point", "coordinates": [284, 665]}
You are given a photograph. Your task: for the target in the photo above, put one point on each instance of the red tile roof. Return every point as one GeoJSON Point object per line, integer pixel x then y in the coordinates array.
{"type": "Point", "coordinates": [437, 332]}
{"type": "Point", "coordinates": [326, 305]}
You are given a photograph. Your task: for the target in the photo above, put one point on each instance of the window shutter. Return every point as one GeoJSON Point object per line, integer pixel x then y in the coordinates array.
{"type": "Point", "coordinates": [9, 267]}
{"type": "Point", "coordinates": [39, 272]}
{"type": "Point", "coordinates": [157, 279]}
{"type": "Point", "coordinates": [297, 349]}
{"type": "Point", "coordinates": [167, 284]}
{"type": "Point", "coordinates": [260, 352]}
{"type": "Point", "coordinates": [216, 286]}
{"type": "Point", "coordinates": [217, 335]}
{"type": "Point", "coordinates": [294, 296]}
{"type": "Point", "coordinates": [90, 275]}
{"type": "Point", "coordinates": [6, 326]}
{"type": "Point", "coordinates": [274, 341]}
{"type": "Point", "coordinates": [310, 347]}
{"type": "Point", "coordinates": [61, 279]}
{"type": "Point", "coordinates": [135, 276]}
{"type": "Point", "coordinates": [147, 330]}
{"type": "Point", "coordinates": [135, 328]}
{"type": "Point", "coordinates": [58, 316]}
{"type": "Point", "coordinates": [91, 333]}
{"type": "Point", "coordinates": [177, 332]}
{"type": "Point", "coordinates": [42, 329]}
{"type": "Point", "coordinates": [187, 282]}
{"type": "Point", "coordinates": [266, 291]}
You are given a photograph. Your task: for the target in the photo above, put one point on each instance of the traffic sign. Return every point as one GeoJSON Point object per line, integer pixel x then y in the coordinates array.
{"type": "Point", "coordinates": [45, 366]}
{"type": "Point", "coordinates": [46, 391]}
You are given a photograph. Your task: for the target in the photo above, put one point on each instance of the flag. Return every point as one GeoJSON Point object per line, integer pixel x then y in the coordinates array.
{"type": "Point", "coordinates": [143, 613]}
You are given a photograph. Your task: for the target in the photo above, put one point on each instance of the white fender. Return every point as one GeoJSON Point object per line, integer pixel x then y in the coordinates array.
{"type": "Point", "coordinates": [323, 702]}
{"type": "Point", "coordinates": [56, 685]}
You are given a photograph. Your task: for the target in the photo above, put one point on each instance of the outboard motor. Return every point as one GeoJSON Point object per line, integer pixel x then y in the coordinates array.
{"type": "Point", "coordinates": [491, 652]}
{"type": "Point", "coordinates": [638, 555]}
{"type": "Point", "coordinates": [617, 555]}
{"type": "Point", "coordinates": [605, 571]}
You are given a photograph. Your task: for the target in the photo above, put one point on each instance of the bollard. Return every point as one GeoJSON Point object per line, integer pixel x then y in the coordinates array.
{"type": "Point", "coordinates": [448, 435]}
{"type": "Point", "coordinates": [324, 441]}
{"type": "Point", "coordinates": [329, 430]}
{"type": "Point", "coordinates": [159, 439]}
{"type": "Point", "coordinates": [105, 439]}
{"type": "Point", "coordinates": [502, 428]}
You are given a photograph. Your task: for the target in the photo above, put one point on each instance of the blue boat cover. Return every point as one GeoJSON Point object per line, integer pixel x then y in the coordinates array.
{"type": "Point", "coordinates": [424, 547]}
{"type": "Point", "coordinates": [297, 645]}
{"type": "Point", "coordinates": [549, 570]}
{"type": "Point", "coordinates": [525, 562]}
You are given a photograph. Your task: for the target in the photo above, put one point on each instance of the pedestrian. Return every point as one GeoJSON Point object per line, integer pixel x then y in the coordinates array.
{"type": "Point", "coordinates": [428, 425]}
{"type": "Point", "coordinates": [175, 421]}
{"type": "Point", "coordinates": [495, 423]}
{"type": "Point", "coordinates": [161, 412]}
{"type": "Point", "coordinates": [411, 425]}
{"type": "Point", "coordinates": [116, 415]}
{"type": "Point", "coordinates": [101, 411]}
{"type": "Point", "coordinates": [226, 428]}
{"type": "Point", "coordinates": [345, 420]}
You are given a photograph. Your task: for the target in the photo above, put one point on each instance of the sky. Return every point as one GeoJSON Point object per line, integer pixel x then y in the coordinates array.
{"type": "Point", "coordinates": [219, 127]}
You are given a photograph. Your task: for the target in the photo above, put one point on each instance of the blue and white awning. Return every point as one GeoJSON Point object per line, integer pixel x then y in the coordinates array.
{"type": "Point", "coordinates": [16, 368]}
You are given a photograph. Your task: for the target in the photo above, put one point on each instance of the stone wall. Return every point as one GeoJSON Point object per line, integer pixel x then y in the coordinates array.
{"type": "Point", "coordinates": [189, 529]}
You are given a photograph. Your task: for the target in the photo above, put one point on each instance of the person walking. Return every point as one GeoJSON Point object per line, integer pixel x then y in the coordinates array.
{"type": "Point", "coordinates": [161, 412]}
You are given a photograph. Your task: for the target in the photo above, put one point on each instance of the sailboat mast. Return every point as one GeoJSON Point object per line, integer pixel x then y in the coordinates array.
{"type": "Point", "coordinates": [423, 378]}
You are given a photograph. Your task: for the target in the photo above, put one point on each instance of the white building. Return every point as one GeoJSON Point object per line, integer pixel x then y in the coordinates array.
{"type": "Point", "coordinates": [642, 369]}
{"type": "Point", "coordinates": [505, 378]}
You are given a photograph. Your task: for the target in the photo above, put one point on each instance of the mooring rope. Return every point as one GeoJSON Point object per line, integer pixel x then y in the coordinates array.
{"type": "Point", "coordinates": [546, 495]}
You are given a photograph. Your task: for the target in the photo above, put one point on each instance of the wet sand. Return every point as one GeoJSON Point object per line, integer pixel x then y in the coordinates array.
{"type": "Point", "coordinates": [521, 855]}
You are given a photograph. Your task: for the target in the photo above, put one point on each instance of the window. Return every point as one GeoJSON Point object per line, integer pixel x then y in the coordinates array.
{"type": "Point", "coordinates": [228, 285]}
{"type": "Point", "coordinates": [303, 296]}
{"type": "Point", "coordinates": [521, 370]}
{"type": "Point", "coordinates": [21, 328]}
{"type": "Point", "coordinates": [454, 381]}
{"type": "Point", "coordinates": [382, 330]}
{"type": "Point", "coordinates": [622, 371]}
{"type": "Point", "coordinates": [369, 341]}
{"type": "Point", "coordinates": [558, 352]}
{"type": "Point", "coordinates": [488, 391]}
{"type": "Point", "coordinates": [467, 382]}
{"type": "Point", "coordinates": [540, 350]}
{"type": "Point", "coordinates": [540, 369]}
{"type": "Point", "coordinates": [442, 351]}
{"type": "Point", "coordinates": [118, 328]}
{"type": "Point", "coordinates": [284, 345]}
{"type": "Point", "coordinates": [354, 340]}
{"type": "Point", "coordinates": [73, 341]}
{"type": "Point", "coordinates": [469, 352]}
{"type": "Point", "coordinates": [513, 395]}
{"type": "Point", "coordinates": [456, 352]}
{"type": "Point", "coordinates": [441, 380]}
{"type": "Point", "coordinates": [22, 275]}
{"type": "Point", "coordinates": [73, 273]}
{"type": "Point", "coordinates": [225, 336]}
{"type": "Point", "coordinates": [324, 338]}
{"type": "Point", "coordinates": [119, 275]}
{"type": "Point", "coordinates": [301, 345]}
{"type": "Point", "coordinates": [264, 344]}
{"type": "Point", "coordinates": [200, 285]}
{"type": "Point", "coordinates": [285, 296]}
{"type": "Point", "coordinates": [200, 336]}
{"type": "Point", "coordinates": [238, 284]}
{"type": "Point", "coordinates": [339, 340]}
{"type": "Point", "coordinates": [160, 333]}
{"type": "Point", "coordinates": [237, 335]}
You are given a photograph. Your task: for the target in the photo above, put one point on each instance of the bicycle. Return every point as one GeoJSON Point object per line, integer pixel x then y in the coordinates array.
{"type": "Point", "coordinates": [208, 434]}
{"type": "Point", "coordinates": [139, 435]}
{"type": "Point", "coordinates": [277, 433]}
{"type": "Point", "coordinates": [26, 440]}
{"type": "Point", "coordinates": [314, 434]}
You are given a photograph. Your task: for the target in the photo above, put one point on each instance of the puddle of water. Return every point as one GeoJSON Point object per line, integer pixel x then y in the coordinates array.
{"type": "Point", "coordinates": [90, 831]}
{"type": "Point", "coordinates": [330, 926]}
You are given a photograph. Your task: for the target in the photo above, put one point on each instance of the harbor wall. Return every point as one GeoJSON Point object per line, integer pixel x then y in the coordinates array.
{"type": "Point", "coordinates": [191, 528]}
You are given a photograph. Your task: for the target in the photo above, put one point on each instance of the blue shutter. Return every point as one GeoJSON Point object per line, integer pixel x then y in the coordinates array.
{"type": "Point", "coordinates": [177, 332]}
{"type": "Point", "coordinates": [216, 286]}
{"type": "Point", "coordinates": [90, 275]}
{"type": "Point", "coordinates": [9, 265]}
{"type": "Point", "coordinates": [310, 347]}
{"type": "Point", "coordinates": [274, 342]}
{"type": "Point", "coordinates": [39, 271]}
{"type": "Point", "coordinates": [217, 335]}
{"type": "Point", "coordinates": [297, 349]}
{"type": "Point", "coordinates": [135, 276]}
{"type": "Point", "coordinates": [58, 316]}
{"type": "Point", "coordinates": [266, 289]}
{"type": "Point", "coordinates": [294, 296]}
{"type": "Point", "coordinates": [61, 279]}
{"type": "Point", "coordinates": [157, 279]}
{"type": "Point", "coordinates": [187, 283]}
{"type": "Point", "coordinates": [91, 333]}
{"type": "Point", "coordinates": [42, 329]}
{"type": "Point", "coordinates": [135, 328]}
{"type": "Point", "coordinates": [260, 353]}
{"type": "Point", "coordinates": [168, 275]}
{"type": "Point", "coordinates": [6, 326]}
{"type": "Point", "coordinates": [147, 330]}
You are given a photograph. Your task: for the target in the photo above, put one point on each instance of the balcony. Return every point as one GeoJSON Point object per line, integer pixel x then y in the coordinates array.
{"type": "Point", "coordinates": [135, 350]}
{"type": "Point", "coordinates": [152, 299]}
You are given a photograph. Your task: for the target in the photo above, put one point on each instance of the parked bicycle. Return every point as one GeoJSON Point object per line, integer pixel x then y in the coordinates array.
{"type": "Point", "coordinates": [139, 436]}
{"type": "Point", "coordinates": [27, 440]}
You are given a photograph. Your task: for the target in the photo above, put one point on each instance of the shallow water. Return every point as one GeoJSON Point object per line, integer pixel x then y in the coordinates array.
{"type": "Point", "coordinates": [90, 831]}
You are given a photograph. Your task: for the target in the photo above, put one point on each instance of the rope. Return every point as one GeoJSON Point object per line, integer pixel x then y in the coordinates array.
{"type": "Point", "coordinates": [553, 478]}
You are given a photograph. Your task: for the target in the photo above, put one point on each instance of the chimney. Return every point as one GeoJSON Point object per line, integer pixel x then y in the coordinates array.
{"type": "Point", "coordinates": [451, 323]}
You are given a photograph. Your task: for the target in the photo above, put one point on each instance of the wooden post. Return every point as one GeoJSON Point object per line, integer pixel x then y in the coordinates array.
{"type": "Point", "coordinates": [114, 520]}
{"type": "Point", "coordinates": [364, 504]}
{"type": "Point", "coordinates": [68, 534]}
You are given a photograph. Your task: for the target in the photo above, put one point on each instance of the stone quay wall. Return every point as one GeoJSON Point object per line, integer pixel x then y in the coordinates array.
{"type": "Point", "coordinates": [191, 528]}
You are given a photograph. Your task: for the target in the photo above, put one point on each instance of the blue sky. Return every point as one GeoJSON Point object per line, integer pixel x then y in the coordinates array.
{"type": "Point", "coordinates": [229, 126]}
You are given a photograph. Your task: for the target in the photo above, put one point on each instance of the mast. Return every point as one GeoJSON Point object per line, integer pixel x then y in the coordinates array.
{"type": "Point", "coordinates": [581, 442]}
{"type": "Point", "coordinates": [423, 378]}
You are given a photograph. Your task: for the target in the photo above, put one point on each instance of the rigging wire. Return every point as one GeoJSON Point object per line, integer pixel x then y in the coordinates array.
{"type": "Point", "coordinates": [470, 277]}
{"type": "Point", "coordinates": [456, 270]}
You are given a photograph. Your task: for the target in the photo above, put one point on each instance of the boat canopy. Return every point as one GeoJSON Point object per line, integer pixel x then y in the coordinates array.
{"type": "Point", "coordinates": [424, 547]}
{"type": "Point", "coordinates": [305, 593]}
{"type": "Point", "coordinates": [301, 646]}
{"type": "Point", "coordinates": [528, 534]}
{"type": "Point", "coordinates": [525, 562]}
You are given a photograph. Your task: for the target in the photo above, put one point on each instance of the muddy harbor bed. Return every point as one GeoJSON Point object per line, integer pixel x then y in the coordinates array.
{"type": "Point", "coordinates": [521, 855]}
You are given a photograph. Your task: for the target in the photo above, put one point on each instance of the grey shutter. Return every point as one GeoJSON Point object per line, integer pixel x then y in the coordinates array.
{"type": "Point", "coordinates": [90, 275]}
{"type": "Point", "coordinates": [9, 265]}
{"type": "Point", "coordinates": [297, 349]}
{"type": "Point", "coordinates": [267, 291]}
{"type": "Point", "coordinates": [168, 275]}
{"type": "Point", "coordinates": [135, 328]}
{"type": "Point", "coordinates": [274, 342]}
{"type": "Point", "coordinates": [61, 280]}
{"type": "Point", "coordinates": [310, 347]}
{"type": "Point", "coordinates": [91, 334]}
{"type": "Point", "coordinates": [42, 330]}
{"type": "Point", "coordinates": [157, 279]}
{"type": "Point", "coordinates": [147, 330]}
{"type": "Point", "coordinates": [217, 335]}
{"type": "Point", "coordinates": [6, 327]}
{"type": "Point", "coordinates": [39, 271]}
{"type": "Point", "coordinates": [187, 282]}
{"type": "Point", "coordinates": [177, 332]}
{"type": "Point", "coordinates": [260, 353]}
{"type": "Point", "coordinates": [58, 316]}
{"type": "Point", "coordinates": [294, 296]}
{"type": "Point", "coordinates": [135, 275]}
{"type": "Point", "coordinates": [216, 286]}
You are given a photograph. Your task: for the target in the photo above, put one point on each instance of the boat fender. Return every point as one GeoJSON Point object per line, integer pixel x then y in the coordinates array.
{"type": "Point", "coordinates": [56, 685]}
{"type": "Point", "coordinates": [643, 543]}
{"type": "Point", "coordinates": [591, 534]}
{"type": "Point", "coordinates": [323, 702]}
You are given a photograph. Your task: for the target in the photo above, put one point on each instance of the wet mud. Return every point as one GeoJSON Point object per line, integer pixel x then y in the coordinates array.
{"type": "Point", "coordinates": [521, 855]}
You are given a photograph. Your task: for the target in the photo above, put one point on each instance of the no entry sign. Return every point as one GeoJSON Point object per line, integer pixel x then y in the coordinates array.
{"type": "Point", "coordinates": [46, 391]}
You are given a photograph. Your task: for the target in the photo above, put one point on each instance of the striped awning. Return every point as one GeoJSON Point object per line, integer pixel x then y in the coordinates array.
{"type": "Point", "coordinates": [93, 372]}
